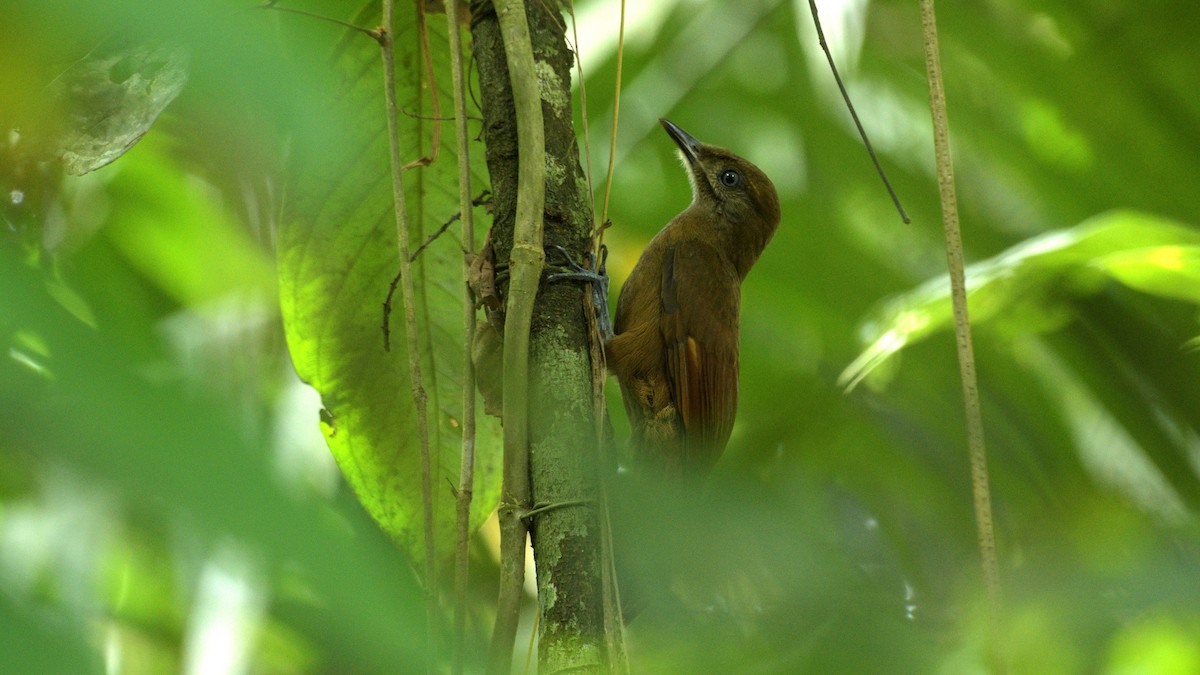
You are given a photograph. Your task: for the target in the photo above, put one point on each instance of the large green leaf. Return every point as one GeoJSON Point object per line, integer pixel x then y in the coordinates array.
{"type": "Point", "coordinates": [1022, 289]}
{"type": "Point", "coordinates": [337, 257]}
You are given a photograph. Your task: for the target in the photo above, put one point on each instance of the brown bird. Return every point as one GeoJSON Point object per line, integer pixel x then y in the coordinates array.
{"type": "Point", "coordinates": [675, 348]}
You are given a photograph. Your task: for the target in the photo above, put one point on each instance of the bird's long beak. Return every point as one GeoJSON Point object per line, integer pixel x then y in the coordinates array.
{"type": "Point", "coordinates": [689, 145]}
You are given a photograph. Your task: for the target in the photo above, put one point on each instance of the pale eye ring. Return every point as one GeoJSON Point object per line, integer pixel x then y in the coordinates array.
{"type": "Point", "coordinates": [730, 178]}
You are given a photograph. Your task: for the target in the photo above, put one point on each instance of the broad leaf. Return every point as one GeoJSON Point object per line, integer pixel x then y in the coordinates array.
{"type": "Point", "coordinates": [338, 255]}
{"type": "Point", "coordinates": [1023, 288]}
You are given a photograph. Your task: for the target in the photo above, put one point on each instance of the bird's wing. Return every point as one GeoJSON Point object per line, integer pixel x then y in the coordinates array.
{"type": "Point", "coordinates": [700, 297]}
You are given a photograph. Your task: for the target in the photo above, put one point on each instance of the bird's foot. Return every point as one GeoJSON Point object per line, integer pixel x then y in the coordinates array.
{"type": "Point", "coordinates": [594, 274]}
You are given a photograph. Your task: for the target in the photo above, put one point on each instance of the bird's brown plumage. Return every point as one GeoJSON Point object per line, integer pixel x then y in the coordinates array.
{"type": "Point", "coordinates": [675, 347]}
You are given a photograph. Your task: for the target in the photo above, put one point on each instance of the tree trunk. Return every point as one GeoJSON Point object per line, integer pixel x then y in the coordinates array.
{"type": "Point", "coordinates": [562, 440]}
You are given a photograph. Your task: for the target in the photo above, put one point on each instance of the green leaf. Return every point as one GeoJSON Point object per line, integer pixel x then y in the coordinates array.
{"type": "Point", "coordinates": [170, 452]}
{"type": "Point", "coordinates": [112, 96]}
{"type": "Point", "coordinates": [1171, 271]}
{"type": "Point", "coordinates": [337, 257]}
{"type": "Point", "coordinates": [172, 229]}
{"type": "Point", "coordinates": [1022, 290]}
{"type": "Point", "coordinates": [36, 643]}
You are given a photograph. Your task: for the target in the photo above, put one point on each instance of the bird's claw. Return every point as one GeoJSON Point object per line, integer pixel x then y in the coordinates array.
{"type": "Point", "coordinates": [577, 272]}
{"type": "Point", "coordinates": [595, 275]}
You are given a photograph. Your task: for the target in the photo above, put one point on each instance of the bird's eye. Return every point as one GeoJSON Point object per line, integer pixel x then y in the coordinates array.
{"type": "Point", "coordinates": [730, 178]}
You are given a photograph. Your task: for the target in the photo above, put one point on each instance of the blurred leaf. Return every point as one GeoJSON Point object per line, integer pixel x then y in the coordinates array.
{"type": "Point", "coordinates": [337, 257]}
{"type": "Point", "coordinates": [847, 543]}
{"type": "Point", "coordinates": [173, 229]}
{"type": "Point", "coordinates": [1167, 271]}
{"type": "Point", "coordinates": [171, 452]}
{"type": "Point", "coordinates": [34, 642]}
{"type": "Point", "coordinates": [1156, 646]}
{"type": "Point", "coordinates": [111, 97]}
{"type": "Point", "coordinates": [1023, 289]}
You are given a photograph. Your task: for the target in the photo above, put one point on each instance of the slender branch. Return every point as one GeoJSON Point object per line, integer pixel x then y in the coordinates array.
{"type": "Point", "coordinates": [437, 233]}
{"type": "Point", "coordinates": [537, 510]}
{"type": "Point", "coordinates": [537, 619]}
{"type": "Point", "coordinates": [471, 71]}
{"type": "Point", "coordinates": [612, 145]}
{"type": "Point", "coordinates": [466, 476]}
{"type": "Point", "coordinates": [387, 310]}
{"type": "Point", "coordinates": [387, 301]}
{"type": "Point", "coordinates": [467, 246]}
{"type": "Point", "coordinates": [812, 6]}
{"type": "Point", "coordinates": [420, 399]}
{"type": "Point", "coordinates": [962, 330]}
{"type": "Point", "coordinates": [415, 116]}
{"type": "Point", "coordinates": [614, 623]}
{"type": "Point", "coordinates": [587, 146]}
{"type": "Point", "coordinates": [374, 33]}
{"type": "Point", "coordinates": [427, 57]}
{"type": "Point", "coordinates": [527, 261]}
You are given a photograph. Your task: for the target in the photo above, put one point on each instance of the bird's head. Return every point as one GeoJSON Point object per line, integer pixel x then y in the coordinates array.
{"type": "Point", "coordinates": [742, 201]}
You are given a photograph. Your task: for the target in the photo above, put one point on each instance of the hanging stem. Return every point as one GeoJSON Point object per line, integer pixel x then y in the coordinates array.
{"type": "Point", "coordinates": [614, 623]}
{"type": "Point", "coordinates": [812, 7]}
{"type": "Point", "coordinates": [962, 330]}
{"type": "Point", "coordinates": [420, 399]}
{"type": "Point", "coordinates": [612, 141]}
{"type": "Point", "coordinates": [466, 476]}
{"type": "Point", "coordinates": [427, 57]}
{"type": "Point", "coordinates": [373, 33]}
{"type": "Point", "coordinates": [528, 258]}
{"type": "Point", "coordinates": [587, 145]}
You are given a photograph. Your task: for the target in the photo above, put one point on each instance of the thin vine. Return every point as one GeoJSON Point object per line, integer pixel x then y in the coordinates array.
{"type": "Point", "coordinates": [466, 476]}
{"type": "Point", "coordinates": [527, 261]}
{"type": "Point", "coordinates": [612, 145]}
{"type": "Point", "coordinates": [427, 59]}
{"type": "Point", "coordinates": [420, 398]}
{"type": "Point", "coordinates": [962, 331]}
